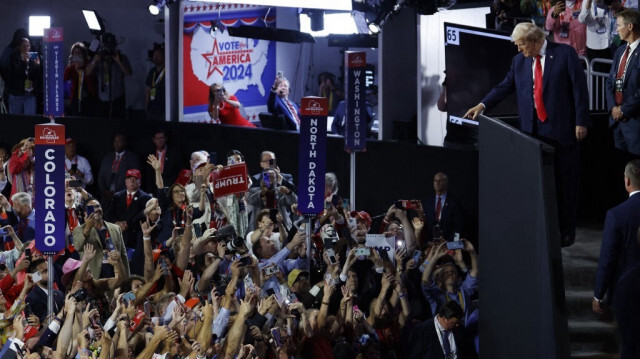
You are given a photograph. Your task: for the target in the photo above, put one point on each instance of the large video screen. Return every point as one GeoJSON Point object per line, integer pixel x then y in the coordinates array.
{"type": "Point", "coordinates": [476, 60]}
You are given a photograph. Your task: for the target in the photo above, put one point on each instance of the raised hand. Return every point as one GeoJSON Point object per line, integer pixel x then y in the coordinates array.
{"type": "Point", "coordinates": [89, 252]}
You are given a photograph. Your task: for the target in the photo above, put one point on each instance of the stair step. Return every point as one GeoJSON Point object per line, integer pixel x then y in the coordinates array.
{"type": "Point", "coordinates": [593, 355]}
{"type": "Point", "coordinates": [593, 336]}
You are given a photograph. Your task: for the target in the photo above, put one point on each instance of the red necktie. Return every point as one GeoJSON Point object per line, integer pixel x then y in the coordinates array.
{"type": "Point", "coordinates": [621, 70]}
{"type": "Point", "coordinates": [438, 208]}
{"type": "Point", "coordinates": [537, 93]}
{"type": "Point", "coordinates": [129, 199]}
{"type": "Point", "coordinates": [73, 221]}
{"type": "Point", "coordinates": [293, 111]}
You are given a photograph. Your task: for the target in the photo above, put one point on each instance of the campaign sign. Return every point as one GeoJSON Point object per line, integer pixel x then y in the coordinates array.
{"type": "Point", "coordinates": [49, 188]}
{"type": "Point", "coordinates": [53, 72]}
{"type": "Point", "coordinates": [355, 137]}
{"type": "Point", "coordinates": [312, 154]}
{"type": "Point", "coordinates": [231, 179]}
{"type": "Point", "coordinates": [381, 242]}
{"type": "Point", "coordinates": [245, 67]}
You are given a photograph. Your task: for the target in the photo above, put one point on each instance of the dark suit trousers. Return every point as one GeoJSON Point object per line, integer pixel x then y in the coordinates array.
{"type": "Point", "coordinates": [567, 177]}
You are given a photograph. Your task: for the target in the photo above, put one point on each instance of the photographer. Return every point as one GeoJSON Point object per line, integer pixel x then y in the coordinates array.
{"type": "Point", "coordinates": [225, 108]}
{"type": "Point", "coordinates": [38, 297]}
{"type": "Point", "coordinates": [110, 67]}
{"type": "Point", "coordinates": [562, 19]}
{"type": "Point", "coordinates": [154, 86]}
{"type": "Point", "coordinates": [83, 89]}
{"type": "Point", "coordinates": [25, 75]}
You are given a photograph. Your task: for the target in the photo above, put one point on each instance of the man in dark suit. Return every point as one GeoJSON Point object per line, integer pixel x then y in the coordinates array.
{"type": "Point", "coordinates": [619, 253]}
{"type": "Point", "coordinates": [623, 85]}
{"type": "Point", "coordinates": [126, 209]}
{"type": "Point", "coordinates": [114, 167]}
{"type": "Point", "coordinates": [279, 104]}
{"type": "Point", "coordinates": [553, 106]}
{"type": "Point", "coordinates": [37, 298]}
{"type": "Point", "coordinates": [442, 210]}
{"type": "Point", "coordinates": [440, 337]}
{"type": "Point", "coordinates": [169, 161]}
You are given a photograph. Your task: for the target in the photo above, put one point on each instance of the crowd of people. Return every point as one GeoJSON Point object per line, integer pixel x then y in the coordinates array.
{"type": "Point", "coordinates": [177, 271]}
{"type": "Point", "coordinates": [589, 26]}
{"type": "Point", "coordinates": [94, 84]}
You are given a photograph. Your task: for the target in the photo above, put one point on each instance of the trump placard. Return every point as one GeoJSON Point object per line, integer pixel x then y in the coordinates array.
{"type": "Point", "coordinates": [231, 179]}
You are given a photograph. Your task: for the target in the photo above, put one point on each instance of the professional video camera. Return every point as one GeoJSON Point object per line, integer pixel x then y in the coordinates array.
{"type": "Point", "coordinates": [108, 46]}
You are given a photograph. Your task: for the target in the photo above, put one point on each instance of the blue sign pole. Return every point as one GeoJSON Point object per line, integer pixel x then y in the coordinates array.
{"type": "Point", "coordinates": [53, 72]}
{"type": "Point", "coordinates": [355, 137]}
{"type": "Point", "coordinates": [312, 155]}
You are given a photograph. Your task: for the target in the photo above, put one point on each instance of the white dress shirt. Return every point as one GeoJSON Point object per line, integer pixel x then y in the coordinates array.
{"type": "Point", "coordinates": [452, 341]}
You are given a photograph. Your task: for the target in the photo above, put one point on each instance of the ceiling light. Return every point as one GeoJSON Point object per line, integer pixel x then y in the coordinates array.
{"type": "Point", "coordinates": [37, 24]}
{"type": "Point", "coordinates": [153, 9]}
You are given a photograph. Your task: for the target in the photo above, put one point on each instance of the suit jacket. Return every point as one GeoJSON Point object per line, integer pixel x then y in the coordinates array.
{"type": "Point", "coordinates": [564, 94]}
{"type": "Point", "coordinates": [450, 216]}
{"type": "Point", "coordinates": [628, 312]}
{"type": "Point", "coordinates": [37, 300]}
{"type": "Point", "coordinates": [172, 161]}
{"type": "Point", "coordinates": [94, 238]}
{"type": "Point", "coordinates": [118, 211]}
{"type": "Point", "coordinates": [277, 106]}
{"type": "Point", "coordinates": [129, 161]}
{"type": "Point", "coordinates": [631, 104]}
{"type": "Point", "coordinates": [619, 251]}
{"type": "Point", "coordinates": [424, 343]}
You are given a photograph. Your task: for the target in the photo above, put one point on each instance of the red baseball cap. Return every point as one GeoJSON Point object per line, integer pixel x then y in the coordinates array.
{"type": "Point", "coordinates": [363, 215]}
{"type": "Point", "coordinates": [70, 140]}
{"type": "Point", "coordinates": [133, 173]}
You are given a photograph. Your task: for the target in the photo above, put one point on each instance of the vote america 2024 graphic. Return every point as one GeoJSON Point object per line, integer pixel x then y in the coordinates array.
{"type": "Point", "coordinates": [246, 67]}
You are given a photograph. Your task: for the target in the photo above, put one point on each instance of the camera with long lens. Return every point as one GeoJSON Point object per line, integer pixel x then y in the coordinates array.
{"type": "Point", "coordinates": [235, 244]}
{"type": "Point", "coordinates": [108, 46]}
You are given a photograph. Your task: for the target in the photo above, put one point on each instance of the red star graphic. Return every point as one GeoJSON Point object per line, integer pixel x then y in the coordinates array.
{"type": "Point", "coordinates": [210, 7]}
{"type": "Point", "coordinates": [209, 57]}
{"type": "Point", "coordinates": [191, 8]}
{"type": "Point", "coordinates": [223, 5]}
{"type": "Point", "coordinates": [198, 8]}
{"type": "Point", "coordinates": [236, 6]}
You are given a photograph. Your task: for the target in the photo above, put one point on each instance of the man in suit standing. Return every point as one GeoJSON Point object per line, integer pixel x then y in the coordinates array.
{"type": "Point", "coordinates": [623, 85]}
{"type": "Point", "coordinates": [553, 106]}
{"type": "Point", "coordinates": [114, 167]}
{"type": "Point", "coordinates": [37, 298]}
{"type": "Point", "coordinates": [440, 337]}
{"type": "Point", "coordinates": [102, 235]}
{"type": "Point", "coordinates": [127, 207]}
{"type": "Point", "coordinates": [279, 104]}
{"type": "Point", "coordinates": [442, 211]}
{"type": "Point", "coordinates": [619, 253]}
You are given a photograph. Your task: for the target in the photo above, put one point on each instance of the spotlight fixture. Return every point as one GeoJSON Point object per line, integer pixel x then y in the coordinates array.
{"type": "Point", "coordinates": [374, 28]}
{"type": "Point", "coordinates": [153, 9]}
{"type": "Point", "coordinates": [37, 24]}
{"type": "Point", "coordinates": [94, 22]}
